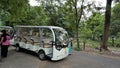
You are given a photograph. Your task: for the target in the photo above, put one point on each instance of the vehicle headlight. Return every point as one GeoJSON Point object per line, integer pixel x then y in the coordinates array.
{"type": "Point", "coordinates": [58, 47]}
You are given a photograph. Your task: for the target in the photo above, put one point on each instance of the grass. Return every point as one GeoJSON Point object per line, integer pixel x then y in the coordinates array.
{"type": "Point", "coordinates": [89, 43]}
{"type": "Point", "coordinates": [114, 48]}
{"type": "Point", "coordinates": [92, 45]}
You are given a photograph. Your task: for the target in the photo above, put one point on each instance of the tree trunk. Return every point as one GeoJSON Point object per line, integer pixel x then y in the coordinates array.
{"type": "Point", "coordinates": [78, 45]}
{"type": "Point", "coordinates": [106, 25]}
{"type": "Point", "coordinates": [78, 18]}
{"type": "Point", "coordinates": [84, 43]}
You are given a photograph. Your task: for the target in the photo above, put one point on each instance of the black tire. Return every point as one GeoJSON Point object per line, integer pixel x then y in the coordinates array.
{"type": "Point", "coordinates": [17, 48]}
{"type": "Point", "coordinates": [41, 55]}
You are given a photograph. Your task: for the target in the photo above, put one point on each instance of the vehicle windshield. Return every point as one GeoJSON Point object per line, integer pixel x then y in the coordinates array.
{"type": "Point", "coordinates": [61, 36]}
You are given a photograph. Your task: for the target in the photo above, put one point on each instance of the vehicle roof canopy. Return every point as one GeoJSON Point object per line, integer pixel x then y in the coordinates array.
{"type": "Point", "coordinates": [56, 27]}
{"type": "Point", "coordinates": [5, 27]}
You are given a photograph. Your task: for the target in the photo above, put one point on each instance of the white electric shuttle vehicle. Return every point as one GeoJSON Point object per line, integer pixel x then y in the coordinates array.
{"type": "Point", "coordinates": [50, 41]}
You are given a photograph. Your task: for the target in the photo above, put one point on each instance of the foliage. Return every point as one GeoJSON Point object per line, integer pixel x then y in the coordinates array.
{"type": "Point", "coordinates": [35, 16]}
{"type": "Point", "coordinates": [85, 32]}
{"type": "Point", "coordinates": [116, 42]}
{"type": "Point", "coordinates": [4, 15]}
{"type": "Point", "coordinates": [95, 24]}
{"type": "Point", "coordinates": [12, 10]}
{"type": "Point", "coordinates": [115, 21]}
{"type": "Point", "coordinates": [115, 26]}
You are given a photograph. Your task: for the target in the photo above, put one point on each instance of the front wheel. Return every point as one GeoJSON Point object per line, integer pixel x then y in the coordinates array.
{"type": "Point", "coordinates": [17, 48]}
{"type": "Point", "coordinates": [41, 55]}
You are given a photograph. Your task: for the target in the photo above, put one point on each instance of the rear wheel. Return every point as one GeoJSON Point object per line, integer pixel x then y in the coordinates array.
{"type": "Point", "coordinates": [41, 55]}
{"type": "Point", "coordinates": [17, 48]}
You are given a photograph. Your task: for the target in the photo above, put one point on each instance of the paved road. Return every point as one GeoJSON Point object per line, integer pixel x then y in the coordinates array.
{"type": "Point", "coordinates": [76, 60]}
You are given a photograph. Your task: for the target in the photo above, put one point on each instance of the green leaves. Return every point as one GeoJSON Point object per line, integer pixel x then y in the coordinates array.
{"type": "Point", "coordinates": [95, 24]}
{"type": "Point", "coordinates": [115, 21]}
{"type": "Point", "coordinates": [13, 10]}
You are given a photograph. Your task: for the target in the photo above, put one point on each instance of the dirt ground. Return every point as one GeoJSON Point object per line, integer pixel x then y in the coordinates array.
{"type": "Point", "coordinates": [114, 52]}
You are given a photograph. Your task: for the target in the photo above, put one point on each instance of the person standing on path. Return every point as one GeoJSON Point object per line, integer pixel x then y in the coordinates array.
{"type": "Point", "coordinates": [71, 45]}
{"type": "Point", "coordinates": [5, 42]}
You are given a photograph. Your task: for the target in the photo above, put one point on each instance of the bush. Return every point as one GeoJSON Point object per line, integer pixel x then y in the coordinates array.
{"type": "Point", "coordinates": [116, 42]}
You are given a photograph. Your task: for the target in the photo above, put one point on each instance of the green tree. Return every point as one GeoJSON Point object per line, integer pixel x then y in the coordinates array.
{"type": "Point", "coordinates": [115, 20]}
{"type": "Point", "coordinates": [78, 16]}
{"type": "Point", "coordinates": [51, 10]}
{"type": "Point", "coordinates": [69, 17]}
{"type": "Point", "coordinates": [95, 24]}
{"type": "Point", "coordinates": [37, 16]}
{"type": "Point", "coordinates": [14, 9]}
{"type": "Point", "coordinates": [59, 13]}
{"type": "Point", "coordinates": [85, 33]}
